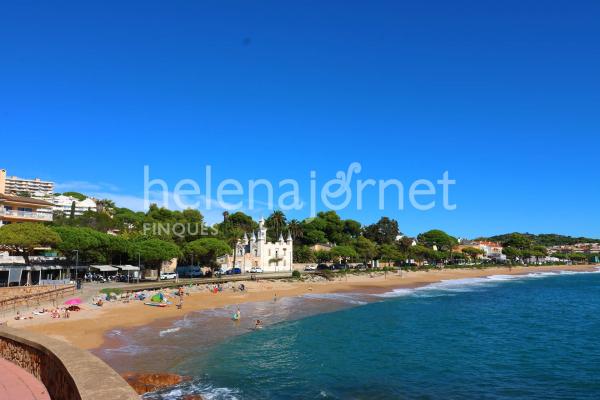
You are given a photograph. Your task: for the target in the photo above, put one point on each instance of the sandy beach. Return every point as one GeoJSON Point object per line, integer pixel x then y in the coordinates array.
{"type": "Point", "coordinates": [86, 329]}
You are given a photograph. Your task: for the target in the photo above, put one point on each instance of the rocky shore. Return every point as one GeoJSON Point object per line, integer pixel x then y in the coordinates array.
{"type": "Point", "coordinates": [144, 383]}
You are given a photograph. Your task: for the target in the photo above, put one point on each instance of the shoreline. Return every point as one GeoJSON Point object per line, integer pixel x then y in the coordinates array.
{"type": "Point", "coordinates": [87, 329]}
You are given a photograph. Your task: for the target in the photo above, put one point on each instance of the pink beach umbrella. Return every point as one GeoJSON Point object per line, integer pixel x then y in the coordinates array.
{"type": "Point", "coordinates": [73, 302]}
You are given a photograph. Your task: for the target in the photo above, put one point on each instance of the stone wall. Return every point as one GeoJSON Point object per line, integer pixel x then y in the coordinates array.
{"type": "Point", "coordinates": [67, 372]}
{"type": "Point", "coordinates": [17, 291]}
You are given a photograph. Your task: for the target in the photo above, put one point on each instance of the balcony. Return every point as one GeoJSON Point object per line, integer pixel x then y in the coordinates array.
{"type": "Point", "coordinates": [25, 215]}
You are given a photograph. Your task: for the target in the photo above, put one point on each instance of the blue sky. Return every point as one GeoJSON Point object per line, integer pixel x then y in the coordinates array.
{"type": "Point", "coordinates": [503, 95]}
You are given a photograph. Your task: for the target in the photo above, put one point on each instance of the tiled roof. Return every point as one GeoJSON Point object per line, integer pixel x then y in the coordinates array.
{"type": "Point", "coordinates": [27, 200]}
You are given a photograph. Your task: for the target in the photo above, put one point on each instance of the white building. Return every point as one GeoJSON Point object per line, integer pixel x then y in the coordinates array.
{"type": "Point", "coordinates": [491, 250]}
{"type": "Point", "coordinates": [257, 252]}
{"type": "Point", "coordinates": [35, 188]}
{"type": "Point", "coordinates": [64, 203]}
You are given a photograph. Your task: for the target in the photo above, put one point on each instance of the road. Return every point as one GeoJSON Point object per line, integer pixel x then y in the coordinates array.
{"type": "Point", "coordinates": [150, 285]}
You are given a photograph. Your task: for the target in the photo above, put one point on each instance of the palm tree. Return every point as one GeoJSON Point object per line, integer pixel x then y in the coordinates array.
{"type": "Point", "coordinates": [295, 229]}
{"type": "Point", "coordinates": [106, 206]}
{"type": "Point", "coordinates": [277, 221]}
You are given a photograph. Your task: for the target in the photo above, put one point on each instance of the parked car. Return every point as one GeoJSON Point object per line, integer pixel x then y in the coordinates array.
{"type": "Point", "coordinates": [310, 268]}
{"type": "Point", "coordinates": [339, 266]}
{"type": "Point", "coordinates": [256, 270]}
{"type": "Point", "coordinates": [233, 271]}
{"type": "Point", "coordinates": [361, 266]}
{"type": "Point", "coordinates": [168, 275]}
{"type": "Point", "coordinates": [91, 277]}
{"type": "Point", "coordinates": [189, 271]}
{"type": "Point", "coordinates": [321, 267]}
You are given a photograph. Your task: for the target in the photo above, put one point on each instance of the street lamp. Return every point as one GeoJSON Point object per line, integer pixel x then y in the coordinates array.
{"type": "Point", "coordinates": [76, 263]}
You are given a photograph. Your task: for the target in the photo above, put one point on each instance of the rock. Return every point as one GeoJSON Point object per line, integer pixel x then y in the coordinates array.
{"type": "Point", "coordinates": [192, 397]}
{"type": "Point", "coordinates": [146, 382]}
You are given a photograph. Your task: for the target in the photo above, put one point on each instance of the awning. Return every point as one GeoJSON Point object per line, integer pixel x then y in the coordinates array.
{"type": "Point", "coordinates": [104, 268]}
{"type": "Point", "coordinates": [128, 268]}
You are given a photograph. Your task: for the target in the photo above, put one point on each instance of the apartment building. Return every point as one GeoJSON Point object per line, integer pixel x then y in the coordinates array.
{"type": "Point", "coordinates": [21, 209]}
{"type": "Point", "coordinates": [64, 204]}
{"type": "Point", "coordinates": [36, 188]}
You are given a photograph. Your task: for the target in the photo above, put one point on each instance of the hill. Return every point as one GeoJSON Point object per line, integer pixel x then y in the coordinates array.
{"type": "Point", "coordinates": [547, 239]}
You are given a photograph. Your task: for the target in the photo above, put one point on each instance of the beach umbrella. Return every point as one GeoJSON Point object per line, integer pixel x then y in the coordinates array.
{"type": "Point", "coordinates": [73, 302]}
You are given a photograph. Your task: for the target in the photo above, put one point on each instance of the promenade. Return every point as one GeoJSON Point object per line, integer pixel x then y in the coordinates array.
{"type": "Point", "coordinates": [18, 384]}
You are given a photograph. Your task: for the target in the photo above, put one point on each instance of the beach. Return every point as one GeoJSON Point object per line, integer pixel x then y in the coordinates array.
{"type": "Point", "coordinates": [87, 329]}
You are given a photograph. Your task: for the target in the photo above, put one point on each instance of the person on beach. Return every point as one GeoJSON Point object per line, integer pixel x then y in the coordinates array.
{"type": "Point", "coordinates": [237, 315]}
{"type": "Point", "coordinates": [180, 292]}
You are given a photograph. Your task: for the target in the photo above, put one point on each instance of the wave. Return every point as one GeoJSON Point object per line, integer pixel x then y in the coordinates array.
{"type": "Point", "coordinates": [452, 286]}
{"type": "Point", "coordinates": [127, 349]}
{"type": "Point", "coordinates": [167, 331]}
{"type": "Point", "coordinates": [207, 391]}
{"type": "Point", "coordinates": [349, 298]}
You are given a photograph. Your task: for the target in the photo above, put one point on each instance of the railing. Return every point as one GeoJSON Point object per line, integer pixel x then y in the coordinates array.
{"type": "Point", "coordinates": [165, 284]}
{"type": "Point", "coordinates": [26, 214]}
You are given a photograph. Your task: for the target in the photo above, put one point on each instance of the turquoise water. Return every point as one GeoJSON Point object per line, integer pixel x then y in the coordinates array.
{"type": "Point", "coordinates": [533, 337]}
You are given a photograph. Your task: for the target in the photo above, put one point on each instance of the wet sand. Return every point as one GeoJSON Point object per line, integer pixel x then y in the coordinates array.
{"type": "Point", "coordinates": [87, 329]}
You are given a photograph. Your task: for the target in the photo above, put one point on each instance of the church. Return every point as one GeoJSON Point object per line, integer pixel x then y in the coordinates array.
{"type": "Point", "coordinates": [256, 251]}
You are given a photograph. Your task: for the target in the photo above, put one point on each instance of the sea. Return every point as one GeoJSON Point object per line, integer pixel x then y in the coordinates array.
{"type": "Point", "coordinates": [534, 336]}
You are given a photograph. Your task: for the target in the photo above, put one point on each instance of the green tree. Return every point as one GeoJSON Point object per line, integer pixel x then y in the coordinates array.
{"type": "Point", "coordinates": [578, 257]}
{"type": "Point", "coordinates": [365, 249]}
{"type": "Point", "coordinates": [303, 254]}
{"type": "Point", "coordinates": [276, 223]}
{"type": "Point", "coordinates": [343, 253]}
{"type": "Point", "coordinates": [421, 253]}
{"type": "Point", "coordinates": [314, 236]}
{"type": "Point", "coordinates": [322, 256]}
{"type": "Point", "coordinates": [511, 253]}
{"type": "Point", "coordinates": [384, 231]}
{"type": "Point", "coordinates": [332, 225]}
{"type": "Point", "coordinates": [106, 206]}
{"type": "Point", "coordinates": [90, 245]}
{"type": "Point", "coordinates": [237, 220]}
{"type": "Point", "coordinates": [437, 238]}
{"type": "Point", "coordinates": [75, 195]}
{"type": "Point", "coordinates": [472, 253]}
{"type": "Point", "coordinates": [518, 241]}
{"type": "Point", "coordinates": [388, 253]}
{"type": "Point", "coordinates": [23, 238]}
{"type": "Point", "coordinates": [352, 228]}
{"type": "Point", "coordinates": [127, 220]}
{"type": "Point", "coordinates": [295, 229]}
{"type": "Point", "coordinates": [153, 251]}
{"type": "Point", "coordinates": [206, 250]}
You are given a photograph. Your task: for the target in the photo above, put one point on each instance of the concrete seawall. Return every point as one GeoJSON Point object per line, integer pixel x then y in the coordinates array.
{"type": "Point", "coordinates": [68, 373]}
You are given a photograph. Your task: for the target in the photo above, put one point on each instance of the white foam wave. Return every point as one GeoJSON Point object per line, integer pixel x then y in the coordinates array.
{"type": "Point", "coordinates": [219, 394]}
{"type": "Point", "coordinates": [207, 391]}
{"type": "Point", "coordinates": [167, 331]}
{"type": "Point", "coordinates": [128, 349]}
{"type": "Point", "coordinates": [448, 287]}
{"type": "Point", "coordinates": [349, 298]}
